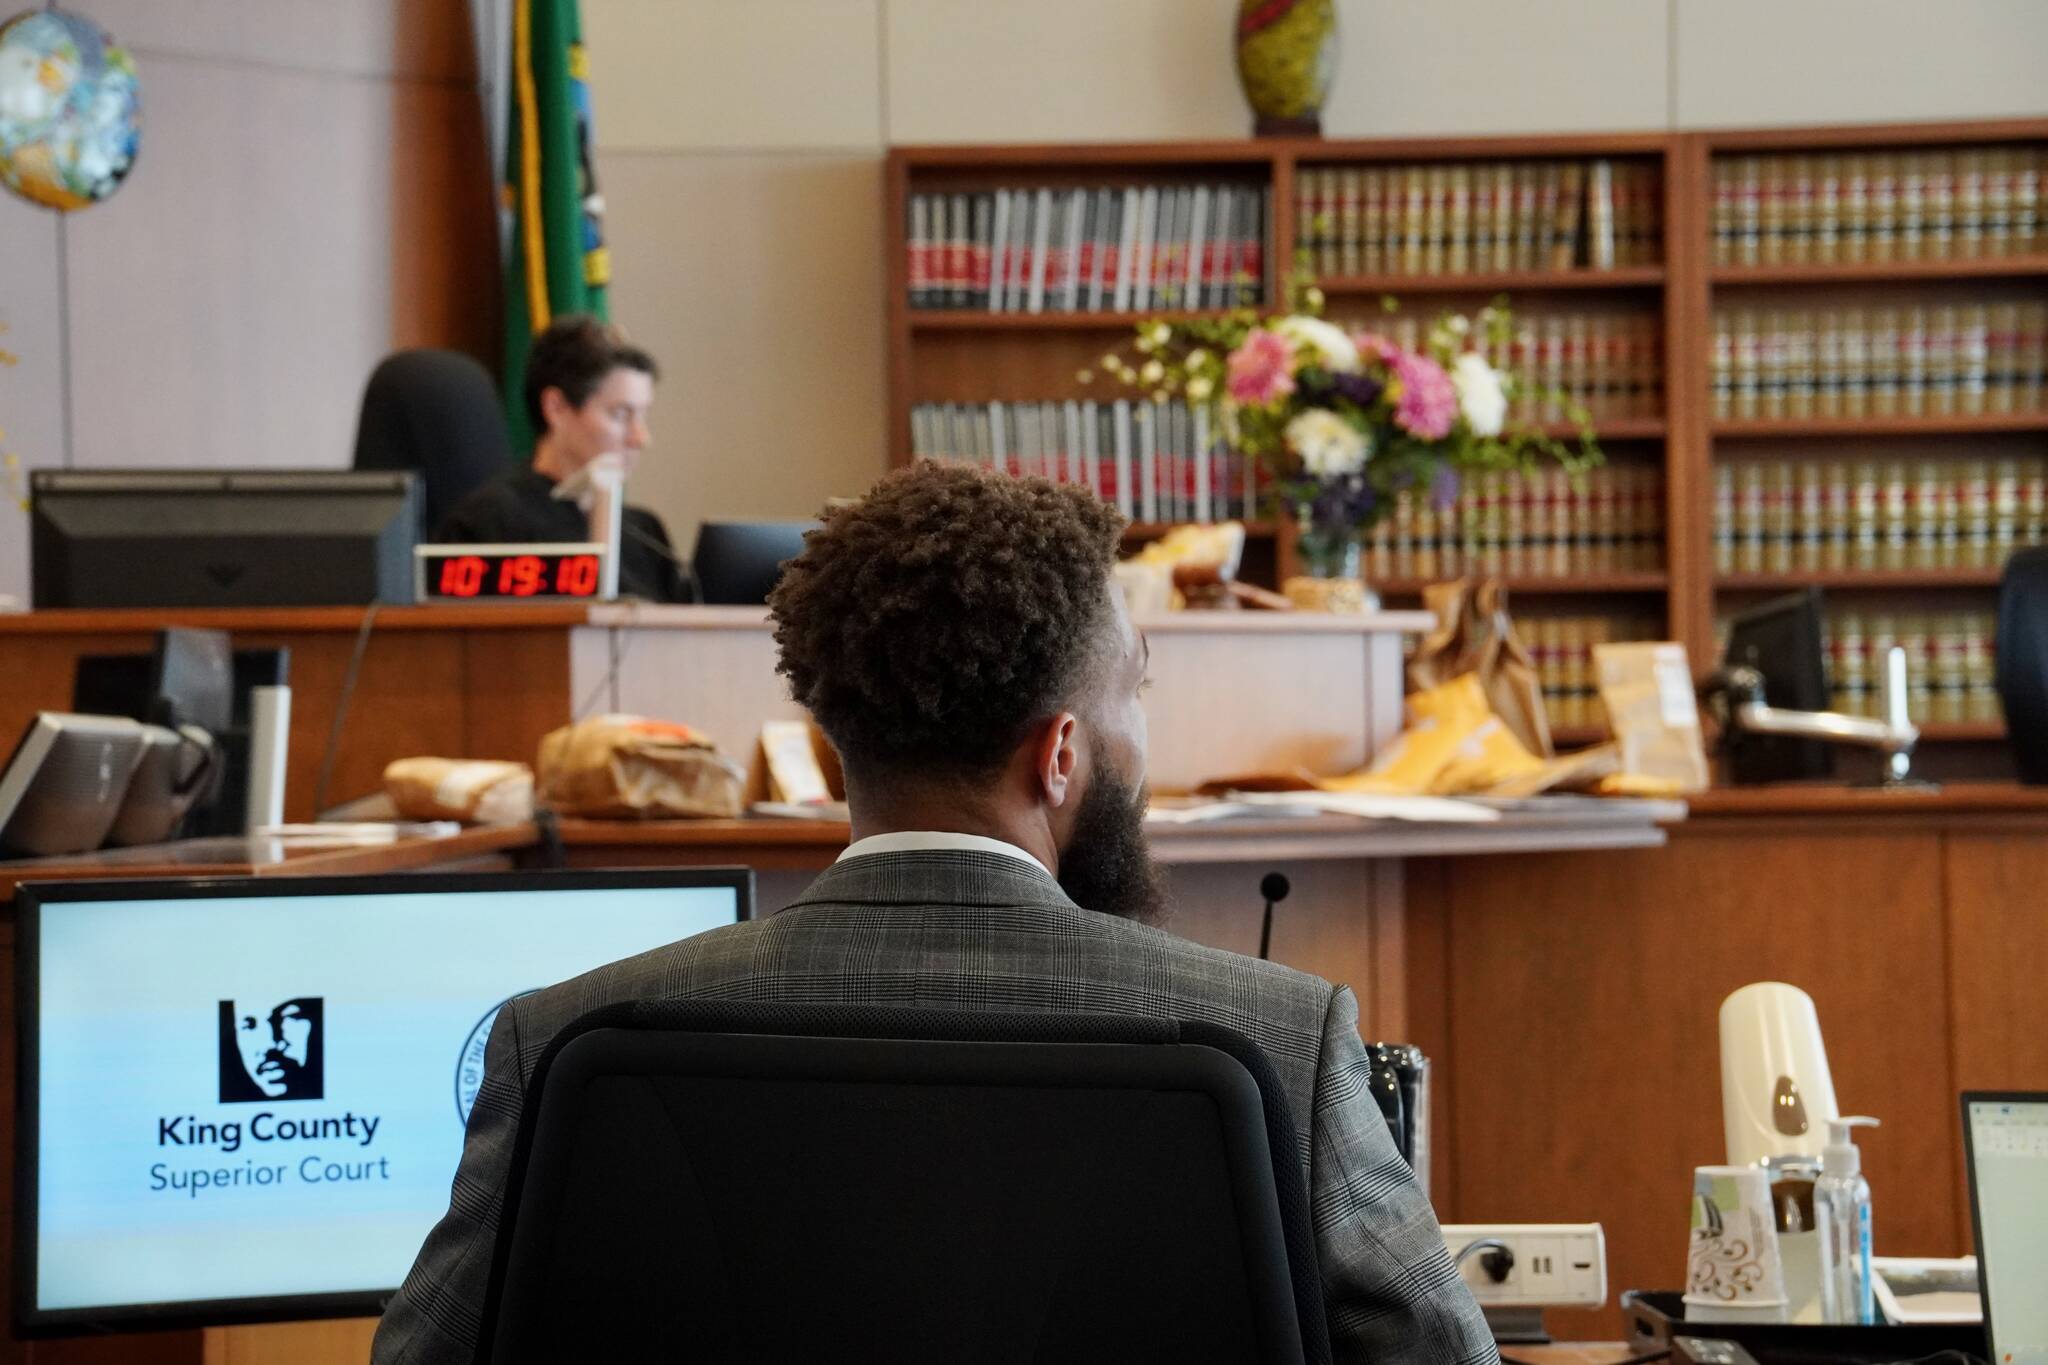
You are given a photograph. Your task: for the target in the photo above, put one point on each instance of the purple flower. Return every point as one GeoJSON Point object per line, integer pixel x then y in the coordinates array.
{"type": "Point", "coordinates": [1361, 389]}
{"type": "Point", "coordinates": [1443, 488]}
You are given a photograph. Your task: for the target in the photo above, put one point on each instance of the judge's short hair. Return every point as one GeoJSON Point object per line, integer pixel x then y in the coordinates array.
{"type": "Point", "coordinates": [930, 625]}
{"type": "Point", "coordinates": [574, 354]}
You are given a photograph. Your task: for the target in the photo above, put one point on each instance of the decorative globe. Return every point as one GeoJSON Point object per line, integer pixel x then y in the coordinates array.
{"type": "Point", "coordinates": [69, 115]}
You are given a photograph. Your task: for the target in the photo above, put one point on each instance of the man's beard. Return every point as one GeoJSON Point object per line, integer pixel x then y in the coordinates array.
{"type": "Point", "coordinates": [1107, 865]}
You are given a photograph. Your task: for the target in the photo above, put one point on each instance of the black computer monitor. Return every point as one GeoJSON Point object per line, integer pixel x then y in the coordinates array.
{"type": "Point", "coordinates": [737, 562]}
{"type": "Point", "coordinates": [1781, 639]}
{"type": "Point", "coordinates": [244, 1100]}
{"type": "Point", "coordinates": [212, 538]}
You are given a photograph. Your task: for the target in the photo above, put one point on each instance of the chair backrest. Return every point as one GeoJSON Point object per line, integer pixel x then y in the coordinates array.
{"type": "Point", "coordinates": [718, 1181]}
{"type": "Point", "coordinates": [436, 412]}
{"type": "Point", "coordinates": [2023, 659]}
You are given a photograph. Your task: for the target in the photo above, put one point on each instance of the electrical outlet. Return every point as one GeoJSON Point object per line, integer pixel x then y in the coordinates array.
{"type": "Point", "coordinates": [1556, 1265]}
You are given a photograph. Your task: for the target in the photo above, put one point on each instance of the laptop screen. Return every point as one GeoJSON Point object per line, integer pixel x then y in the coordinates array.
{"type": "Point", "coordinates": [246, 1099]}
{"type": "Point", "coordinates": [2007, 1137]}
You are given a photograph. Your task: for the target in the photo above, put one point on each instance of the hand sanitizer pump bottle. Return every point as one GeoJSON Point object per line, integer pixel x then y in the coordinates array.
{"type": "Point", "coordinates": [1841, 1204]}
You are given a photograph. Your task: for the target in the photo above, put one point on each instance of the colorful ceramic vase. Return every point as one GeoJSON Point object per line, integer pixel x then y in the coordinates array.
{"type": "Point", "coordinates": [1286, 58]}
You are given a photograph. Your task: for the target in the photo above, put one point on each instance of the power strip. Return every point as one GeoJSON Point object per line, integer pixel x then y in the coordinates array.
{"type": "Point", "coordinates": [1550, 1265]}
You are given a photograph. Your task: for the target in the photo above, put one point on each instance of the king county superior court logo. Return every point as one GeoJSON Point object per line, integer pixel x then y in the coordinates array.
{"type": "Point", "coordinates": [278, 1054]}
{"type": "Point", "coordinates": [469, 1067]}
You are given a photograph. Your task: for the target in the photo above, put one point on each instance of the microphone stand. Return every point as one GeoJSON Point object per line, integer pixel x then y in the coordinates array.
{"type": "Point", "coordinates": [1274, 887]}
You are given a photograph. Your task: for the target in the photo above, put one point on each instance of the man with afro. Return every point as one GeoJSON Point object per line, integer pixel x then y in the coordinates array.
{"type": "Point", "coordinates": [960, 639]}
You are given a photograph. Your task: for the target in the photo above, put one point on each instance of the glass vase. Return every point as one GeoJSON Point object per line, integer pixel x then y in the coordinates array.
{"type": "Point", "coordinates": [1330, 559]}
{"type": "Point", "coordinates": [1330, 551]}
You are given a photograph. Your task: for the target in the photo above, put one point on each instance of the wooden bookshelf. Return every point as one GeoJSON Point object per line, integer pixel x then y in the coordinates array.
{"type": "Point", "coordinates": [1920, 274]}
{"type": "Point", "coordinates": [968, 355]}
{"type": "Point", "coordinates": [1512, 281]}
{"type": "Point", "coordinates": [1591, 584]}
{"type": "Point", "coordinates": [972, 320]}
{"type": "Point", "coordinates": [1897, 424]}
{"type": "Point", "coordinates": [1870, 579]}
{"type": "Point", "coordinates": [1979, 731]}
{"type": "Point", "coordinates": [2009, 265]}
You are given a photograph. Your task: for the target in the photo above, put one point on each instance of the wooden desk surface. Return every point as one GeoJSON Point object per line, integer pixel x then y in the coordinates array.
{"type": "Point", "coordinates": [1567, 824]}
{"type": "Point", "coordinates": [1958, 798]}
{"type": "Point", "coordinates": [262, 857]}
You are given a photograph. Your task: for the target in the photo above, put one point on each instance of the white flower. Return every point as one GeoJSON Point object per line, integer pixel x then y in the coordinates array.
{"type": "Point", "coordinates": [1199, 388]}
{"type": "Point", "coordinates": [1197, 358]}
{"type": "Point", "coordinates": [1153, 372]}
{"type": "Point", "coordinates": [1327, 444]}
{"type": "Point", "coordinates": [1327, 344]}
{"type": "Point", "coordinates": [1160, 333]}
{"type": "Point", "coordinates": [1480, 395]}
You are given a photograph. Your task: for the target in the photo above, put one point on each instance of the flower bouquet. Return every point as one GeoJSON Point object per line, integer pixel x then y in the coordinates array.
{"type": "Point", "coordinates": [1345, 421]}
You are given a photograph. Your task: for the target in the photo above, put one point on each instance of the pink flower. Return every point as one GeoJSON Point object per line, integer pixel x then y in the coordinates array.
{"type": "Point", "coordinates": [1260, 368]}
{"type": "Point", "coordinates": [1373, 346]}
{"type": "Point", "coordinates": [1426, 404]}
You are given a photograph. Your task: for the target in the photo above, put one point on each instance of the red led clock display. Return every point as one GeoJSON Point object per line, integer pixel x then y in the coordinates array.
{"type": "Point", "coordinates": [516, 575]}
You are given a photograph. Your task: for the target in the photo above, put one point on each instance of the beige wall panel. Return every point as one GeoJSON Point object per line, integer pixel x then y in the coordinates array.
{"type": "Point", "coordinates": [1435, 67]}
{"type": "Point", "coordinates": [685, 74]}
{"type": "Point", "coordinates": [757, 284]}
{"type": "Point", "coordinates": [1061, 71]}
{"type": "Point", "coordinates": [31, 402]}
{"type": "Point", "coordinates": [1858, 61]}
{"type": "Point", "coordinates": [229, 302]}
{"type": "Point", "coordinates": [430, 38]}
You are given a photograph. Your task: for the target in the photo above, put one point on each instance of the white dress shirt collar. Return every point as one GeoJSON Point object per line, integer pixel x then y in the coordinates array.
{"type": "Point", "coordinates": [919, 840]}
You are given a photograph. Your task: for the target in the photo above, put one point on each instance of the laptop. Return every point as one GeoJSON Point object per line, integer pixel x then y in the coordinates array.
{"type": "Point", "coordinates": [2005, 1135]}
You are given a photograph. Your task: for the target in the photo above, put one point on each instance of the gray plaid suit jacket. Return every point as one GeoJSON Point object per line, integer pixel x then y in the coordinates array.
{"type": "Point", "coordinates": [981, 931]}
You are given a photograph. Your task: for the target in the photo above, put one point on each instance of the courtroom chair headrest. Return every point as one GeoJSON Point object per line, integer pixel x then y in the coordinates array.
{"type": "Point", "coordinates": [436, 412]}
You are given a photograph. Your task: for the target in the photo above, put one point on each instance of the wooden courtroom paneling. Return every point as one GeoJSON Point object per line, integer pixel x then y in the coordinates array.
{"type": "Point", "coordinates": [1581, 1059]}
{"type": "Point", "coordinates": [433, 681]}
{"type": "Point", "coordinates": [1997, 966]}
{"type": "Point", "coordinates": [292, 1343]}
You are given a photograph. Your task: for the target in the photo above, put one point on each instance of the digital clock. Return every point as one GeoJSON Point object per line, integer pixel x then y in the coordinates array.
{"type": "Point", "coordinates": [509, 573]}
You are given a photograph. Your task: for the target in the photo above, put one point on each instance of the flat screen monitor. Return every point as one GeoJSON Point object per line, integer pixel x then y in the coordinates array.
{"type": "Point", "coordinates": [738, 562]}
{"type": "Point", "coordinates": [243, 1101]}
{"type": "Point", "coordinates": [212, 538]}
{"type": "Point", "coordinates": [62, 788]}
{"type": "Point", "coordinates": [1781, 639]}
{"type": "Point", "coordinates": [2005, 1135]}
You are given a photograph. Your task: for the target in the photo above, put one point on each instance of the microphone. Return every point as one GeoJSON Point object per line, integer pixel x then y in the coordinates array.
{"type": "Point", "coordinates": [1274, 887]}
{"type": "Point", "coordinates": [681, 565]}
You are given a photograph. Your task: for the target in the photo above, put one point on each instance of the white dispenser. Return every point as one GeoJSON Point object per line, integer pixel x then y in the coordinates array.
{"type": "Point", "coordinates": [1777, 1096]}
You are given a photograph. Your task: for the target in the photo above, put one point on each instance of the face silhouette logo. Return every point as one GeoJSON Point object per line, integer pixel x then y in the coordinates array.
{"type": "Point", "coordinates": [273, 1054]}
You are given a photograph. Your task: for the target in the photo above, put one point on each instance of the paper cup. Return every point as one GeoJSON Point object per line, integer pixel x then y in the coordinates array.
{"type": "Point", "coordinates": [1733, 1268]}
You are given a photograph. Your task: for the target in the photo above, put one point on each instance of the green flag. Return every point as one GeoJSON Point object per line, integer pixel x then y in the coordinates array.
{"type": "Point", "coordinates": [558, 263]}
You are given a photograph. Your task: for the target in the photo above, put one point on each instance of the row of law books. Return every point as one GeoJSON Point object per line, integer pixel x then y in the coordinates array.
{"type": "Point", "coordinates": [1545, 524]}
{"type": "Point", "coordinates": [1561, 650]}
{"type": "Point", "coordinates": [1877, 206]}
{"type": "Point", "coordinates": [1606, 365]}
{"type": "Point", "coordinates": [1784, 516]}
{"type": "Point", "coordinates": [1858, 362]}
{"type": "Point", "coordinates": [1108, 249]}
{"type": "Point", "coordinates": [1951, 663]}
{"type": "Point", "coordinates": [1462, 218]}
{"type": "Point", "coordinates": [1157, 462]}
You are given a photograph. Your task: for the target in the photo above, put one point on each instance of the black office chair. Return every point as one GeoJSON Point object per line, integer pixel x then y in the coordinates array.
{"type": "Point", "coordinates": [2023, 659]}
{"type": "Point", "coordinates": [436, 412]}
{"type": "Point", "coordinates": [738, 562]}
{"type": "Point", "coordinates": [723, 1182]}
